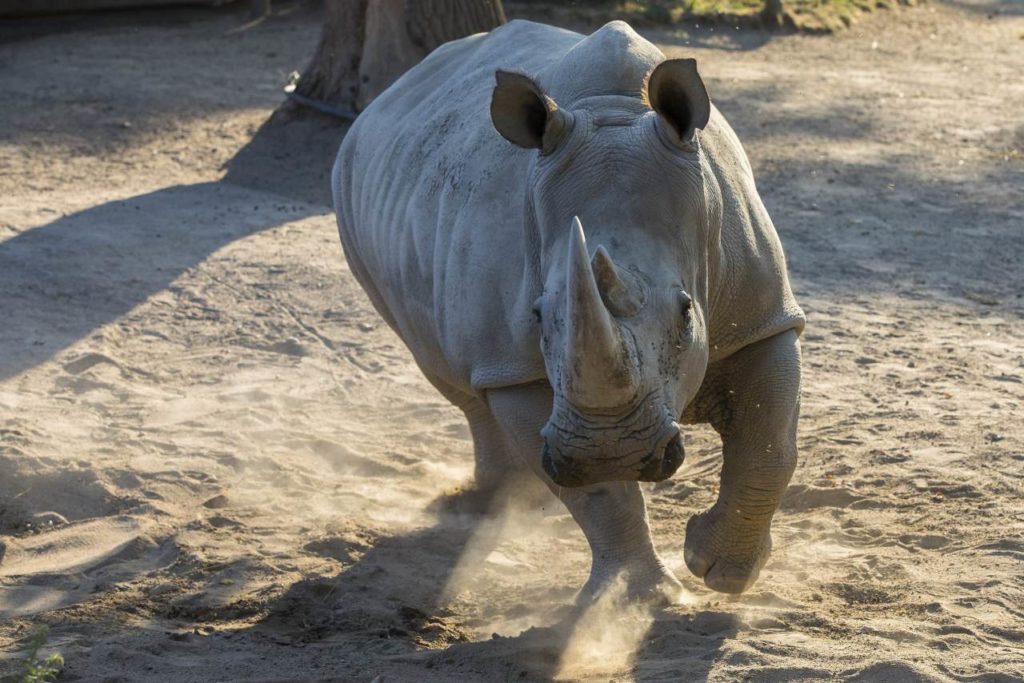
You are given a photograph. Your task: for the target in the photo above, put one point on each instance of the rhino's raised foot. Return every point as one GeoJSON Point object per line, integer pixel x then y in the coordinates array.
{"type": "Point", "coordinates": [656, 587]}
{"type": "Point", "coordinates": [729, 560]}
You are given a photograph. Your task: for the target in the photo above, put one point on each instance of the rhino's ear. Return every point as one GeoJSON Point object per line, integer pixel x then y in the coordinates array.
{"type": "Point", "coordinates": [525, 116]}
{"type": "Point", "coordinates": [676, 91]}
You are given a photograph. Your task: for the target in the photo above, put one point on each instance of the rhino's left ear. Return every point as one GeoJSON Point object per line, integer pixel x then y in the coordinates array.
{"type": "Point", "coordinates": [676, 91]}
{"type": "Point", "coordinates": [525, 116]}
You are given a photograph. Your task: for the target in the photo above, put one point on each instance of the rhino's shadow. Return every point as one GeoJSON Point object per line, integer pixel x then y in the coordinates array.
{"type": "Point", "coordinates": [677, 645]}
{"type": "Point", "coordinates": [393, 601]}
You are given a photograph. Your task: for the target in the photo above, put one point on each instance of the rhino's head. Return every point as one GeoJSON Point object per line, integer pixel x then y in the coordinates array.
{"type": "Point", "coordinates": [618, 217]}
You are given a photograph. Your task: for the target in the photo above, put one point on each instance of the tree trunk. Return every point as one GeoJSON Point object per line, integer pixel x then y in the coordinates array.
{"type": "Point", "coordinates": [366, 45]}
{"type": "Point", "coordinates": [772, 13]}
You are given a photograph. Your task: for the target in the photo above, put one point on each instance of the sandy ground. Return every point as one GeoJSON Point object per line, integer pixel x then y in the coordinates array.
{"type": "Point", "coordinates": [216, 463]}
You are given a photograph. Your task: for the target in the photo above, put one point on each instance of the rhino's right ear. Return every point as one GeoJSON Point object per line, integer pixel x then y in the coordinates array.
{"type": "Point", "coordinates": [525, 116]}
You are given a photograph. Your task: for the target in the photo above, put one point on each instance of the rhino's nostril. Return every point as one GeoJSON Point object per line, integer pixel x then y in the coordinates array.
{"type": "Point", "coordinates": [548, 462]}
{"type": "Point", "coordinates": [562, 472]}
{"type": "Point", "coordinates": [674, 455]}
{"type": "Point", "coordinates": [651, 468]}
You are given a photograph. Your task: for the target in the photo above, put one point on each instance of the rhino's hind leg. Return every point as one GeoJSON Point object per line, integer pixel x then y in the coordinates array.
{"type": "Point", "coordinates": [501, 478]}
{"type": "Point", "coordinates": [490, 455]}
{"type": "Point", "coordinates": [754, 404]}
{"type": "Point", "coordinates": [613, 516]}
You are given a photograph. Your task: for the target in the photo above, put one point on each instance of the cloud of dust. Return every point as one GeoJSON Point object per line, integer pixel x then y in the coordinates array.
{"type": "Point", "coordinates": [608, 631]}
{"type": "Point", "coordinates": [506, 521]}
{"type": "Point", "coordinates": [516, 540]}
{"type": "Point", "coordinates": [607, 635]}
{"type": "Point", "coordinates": [306, 483]}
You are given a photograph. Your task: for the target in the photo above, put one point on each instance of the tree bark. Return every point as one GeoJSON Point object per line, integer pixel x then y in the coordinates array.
{"type": "Point", "coordinates": [366, 45]}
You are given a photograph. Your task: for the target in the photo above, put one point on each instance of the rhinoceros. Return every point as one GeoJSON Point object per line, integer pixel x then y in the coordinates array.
{"type": "Point", "coordinates": [566, 234]}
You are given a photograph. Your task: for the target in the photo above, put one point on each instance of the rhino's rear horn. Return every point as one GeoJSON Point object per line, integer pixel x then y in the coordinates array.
{"type": "Point", "coordinates": [620, 290]}
{"type": "Point", "coordinates": [598, 371]}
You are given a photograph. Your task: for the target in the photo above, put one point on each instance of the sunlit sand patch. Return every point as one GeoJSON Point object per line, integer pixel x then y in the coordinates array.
{"type": "Point", "coordinates": [316, 481]}
{"type": "Point", "coordinates": [819, 551]}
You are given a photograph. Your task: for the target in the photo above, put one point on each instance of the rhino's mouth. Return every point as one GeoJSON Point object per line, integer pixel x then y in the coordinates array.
{"type": "Point", "coordinates": [644, 444]}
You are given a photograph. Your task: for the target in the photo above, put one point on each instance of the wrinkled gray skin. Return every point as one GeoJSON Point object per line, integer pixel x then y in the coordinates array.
{"type": "Point", "coordinates": [567, 236]}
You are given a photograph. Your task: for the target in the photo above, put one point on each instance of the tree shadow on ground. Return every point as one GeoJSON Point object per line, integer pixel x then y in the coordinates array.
{"type": "Point", "coordinates": [918, 225]}
{"type": "Point", "coordinates": [64, 280]}
{"type": "Point", "coordinates": [31, 27]}
{"type": "Point", "coordinates": [89, 99]}
{"type": "Point", "coordinates": [291, 155]}
{"type": "Point", "coordinates": [857, 229]}
{"type": "Point", "coordinates": [993, 9]}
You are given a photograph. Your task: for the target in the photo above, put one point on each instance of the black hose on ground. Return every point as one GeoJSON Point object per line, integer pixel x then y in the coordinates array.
{"type": "Point", "coordinates": [321, 107]}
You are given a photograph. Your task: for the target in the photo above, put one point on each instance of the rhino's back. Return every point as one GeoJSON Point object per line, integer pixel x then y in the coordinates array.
{"type": "Point", "coordinates": [430, 207]}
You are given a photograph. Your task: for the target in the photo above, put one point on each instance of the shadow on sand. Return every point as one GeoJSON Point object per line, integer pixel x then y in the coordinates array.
{"type": "Point", "coordinates": [394, 601]}
{"type": "Point", "coordinates": [64, 280]}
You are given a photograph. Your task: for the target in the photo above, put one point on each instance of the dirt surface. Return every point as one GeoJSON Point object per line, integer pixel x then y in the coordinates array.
{"type": "Point", "coordinates": [216, 463]}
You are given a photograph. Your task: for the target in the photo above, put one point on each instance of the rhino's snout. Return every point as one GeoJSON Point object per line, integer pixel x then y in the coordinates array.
{"type": "Point", "coordinates": [577, 468]}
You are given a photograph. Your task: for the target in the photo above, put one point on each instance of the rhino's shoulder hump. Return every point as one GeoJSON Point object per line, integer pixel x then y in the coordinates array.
{"type": "Point", "coordinates": [751, 297]}
{"type": "Point", "coordinates": [614, 60]}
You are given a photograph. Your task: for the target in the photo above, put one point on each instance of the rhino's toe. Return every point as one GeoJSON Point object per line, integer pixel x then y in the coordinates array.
{"type": "Point", "coordinates": [715, 554]}
{"type": "Point", "coordinates": [726, 578]}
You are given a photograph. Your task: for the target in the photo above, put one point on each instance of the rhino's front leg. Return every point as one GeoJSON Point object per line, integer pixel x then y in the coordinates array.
{"type": "Point", "coordinates": [613, 516]}
{"type": "Point", "coordinates": [754, 404]}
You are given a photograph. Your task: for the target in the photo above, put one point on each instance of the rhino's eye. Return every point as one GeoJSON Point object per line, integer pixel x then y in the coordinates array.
{"type": "Point", "coordinates": [685, 303]}
{"type": "Point", "coordinates": [536, 312]}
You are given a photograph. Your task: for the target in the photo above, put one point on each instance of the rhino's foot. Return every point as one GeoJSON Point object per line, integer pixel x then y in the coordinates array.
{"type": "Point", "coordinates": [651, 584]}
{"type": "Point", "coordinates": [489, 498]}
{"type": "Point", "coordinates": [728, 557]}
{"type": "Point", "coordinates": [466, 501]}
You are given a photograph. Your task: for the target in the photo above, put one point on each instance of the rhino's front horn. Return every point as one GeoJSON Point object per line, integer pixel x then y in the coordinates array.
{"type": "Point", "coordinates": [598, 372]}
